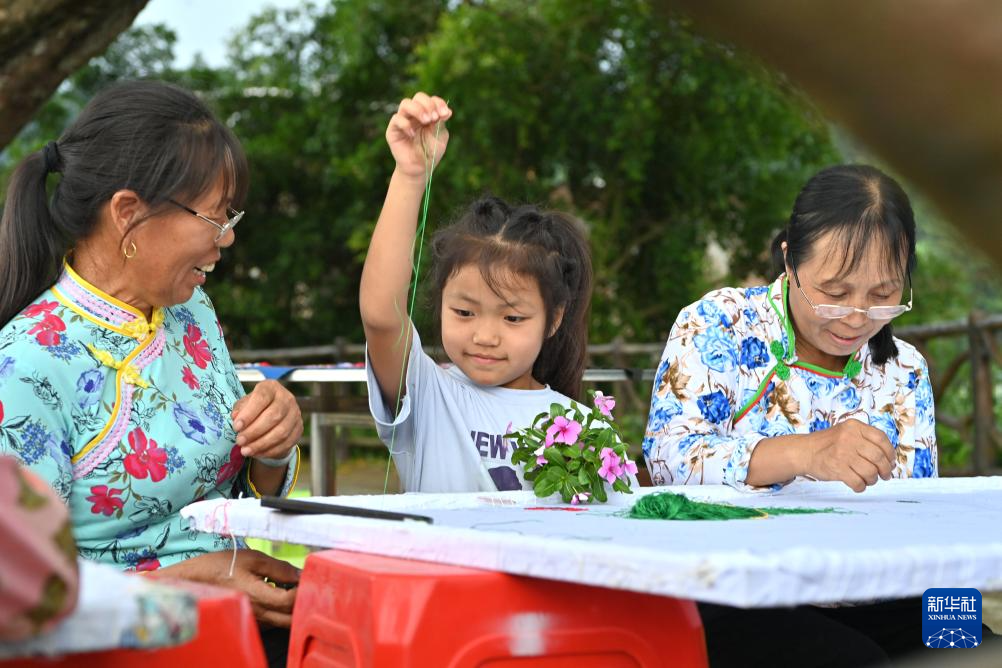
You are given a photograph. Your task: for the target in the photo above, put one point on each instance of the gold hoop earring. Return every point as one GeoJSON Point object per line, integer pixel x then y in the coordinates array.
{"type": "Point", "coordinates": [126, 253]}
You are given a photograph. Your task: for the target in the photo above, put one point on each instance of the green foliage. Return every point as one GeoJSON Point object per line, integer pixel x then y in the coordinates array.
{"type": "Point", "coordinates": [581, 463]}
{"type": "Point", "coordinates": [658, 138]}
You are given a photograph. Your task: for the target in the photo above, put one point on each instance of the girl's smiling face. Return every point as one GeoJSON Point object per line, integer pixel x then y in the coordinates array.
{"type": "Point", "coordinates": [493, 338]}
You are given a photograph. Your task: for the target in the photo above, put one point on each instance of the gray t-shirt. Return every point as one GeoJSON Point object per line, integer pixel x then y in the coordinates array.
{"type": "Point", "coordinates": [449, 433]}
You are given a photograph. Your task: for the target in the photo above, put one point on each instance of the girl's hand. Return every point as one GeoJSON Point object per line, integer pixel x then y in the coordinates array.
{"type": "Point", "coordinates": [412, 132]}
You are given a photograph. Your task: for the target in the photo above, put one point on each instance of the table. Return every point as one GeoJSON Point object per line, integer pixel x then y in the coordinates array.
{"type": "Point", "coordinates": [896, 539]}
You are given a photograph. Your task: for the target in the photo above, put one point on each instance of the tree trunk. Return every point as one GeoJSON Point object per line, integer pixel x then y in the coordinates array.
{"type": "Point", "coordinates": [44, 41]}
{"type": "Point", "coordinates": [918, 81]}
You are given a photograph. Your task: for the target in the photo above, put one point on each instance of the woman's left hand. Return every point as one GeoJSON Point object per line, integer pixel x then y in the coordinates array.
{"type": "Point", "coordinates": [267, 421]}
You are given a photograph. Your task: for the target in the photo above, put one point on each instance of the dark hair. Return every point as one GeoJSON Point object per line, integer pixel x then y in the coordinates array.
{"type": "Point", "coordinates": [863, 206]}
{"type": "Point", "coordinates": [506, 242]}
{"type": "Point", "coordinates": [154, 138]}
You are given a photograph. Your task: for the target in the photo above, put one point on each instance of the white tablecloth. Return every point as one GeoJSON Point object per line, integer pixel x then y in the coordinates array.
{"type": "Point", "coordinates": [897, 539]}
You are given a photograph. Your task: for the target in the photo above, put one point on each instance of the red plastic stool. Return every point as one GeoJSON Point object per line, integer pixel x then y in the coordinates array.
{"type": "Point", "coordinates": [364, 611]}
{"type": "Point", "coordinates": [227, 638]}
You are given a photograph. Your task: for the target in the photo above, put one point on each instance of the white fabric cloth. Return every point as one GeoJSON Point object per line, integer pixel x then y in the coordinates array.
{"type": "Point", "coordinates": [115, 610]}
{"type": "Point", "coordinates": [896, 539]}
{"type": "Point", "coordinates": [449, 433]}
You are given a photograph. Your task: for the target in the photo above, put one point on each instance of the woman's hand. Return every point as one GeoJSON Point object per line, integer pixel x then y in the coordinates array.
{"type": "Point", "coordinates": [267, 421]}
{"type": "Point", "coordinates": [413, 135]}
{"type": "Point", "coordinates": [269, 583]}
{"type": "Point", "coordinates": [853, 452]}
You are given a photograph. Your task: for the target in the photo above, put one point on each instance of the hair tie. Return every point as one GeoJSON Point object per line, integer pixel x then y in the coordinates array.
{"type": "Point", "coordinates": [53, 160]}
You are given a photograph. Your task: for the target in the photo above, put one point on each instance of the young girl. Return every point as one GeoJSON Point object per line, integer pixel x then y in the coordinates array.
{"type": "Point", "coordinates": [512, 287]}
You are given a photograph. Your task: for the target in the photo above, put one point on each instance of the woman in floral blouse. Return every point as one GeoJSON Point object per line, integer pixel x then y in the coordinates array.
{"type": "Point", "coordinates": [116, 386]}
{"type": "Point", "coordinates": [758, 386]}
{"type": "Point", "coordinates": [803, 378]}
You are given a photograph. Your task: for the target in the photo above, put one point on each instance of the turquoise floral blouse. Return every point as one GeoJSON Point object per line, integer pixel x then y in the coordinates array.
{"type": "Point", "coordinates": [729, 377]}
{"type": "Point", "coordinates": [128, 420]}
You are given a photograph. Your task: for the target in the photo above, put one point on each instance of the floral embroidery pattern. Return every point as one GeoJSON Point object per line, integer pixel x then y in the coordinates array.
{"type": "Point", "coordinates": [197, 347]}
{"type": "Point", "coordinates": [146, 458]}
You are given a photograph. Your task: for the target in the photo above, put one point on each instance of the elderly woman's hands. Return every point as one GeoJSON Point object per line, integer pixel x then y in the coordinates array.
{"type": "Point", "coordinates": [853, 452]}
{"type": "Point", "coordinates": [267, 421]}
{"type": "Point", "coordinates": [269, 583]}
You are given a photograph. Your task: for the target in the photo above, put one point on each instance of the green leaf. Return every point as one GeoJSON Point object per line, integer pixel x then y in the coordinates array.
{"type": "Point", "coordinates": [556, 409]}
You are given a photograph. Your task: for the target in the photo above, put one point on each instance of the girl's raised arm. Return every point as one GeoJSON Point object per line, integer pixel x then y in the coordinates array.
{"type": "Point", "coordinates": [415, 140]}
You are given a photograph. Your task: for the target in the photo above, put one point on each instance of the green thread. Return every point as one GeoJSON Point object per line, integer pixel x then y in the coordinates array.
{"type": "Point", "coordinates": [671, 506]}
{"type": "Point", "coordinates": [429, 168]}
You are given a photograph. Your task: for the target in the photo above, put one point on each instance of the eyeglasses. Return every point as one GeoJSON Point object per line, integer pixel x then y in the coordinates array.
{"type": "Point", "coordinates": [835, 311]}
{"type": "Point", "coordinates": [232, 218]}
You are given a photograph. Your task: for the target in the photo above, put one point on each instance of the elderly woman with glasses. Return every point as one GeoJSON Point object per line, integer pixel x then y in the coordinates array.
{"type": "Point", "coordinates": [116, 386]}
{"type": "Point", "coordinates": [803, 377]}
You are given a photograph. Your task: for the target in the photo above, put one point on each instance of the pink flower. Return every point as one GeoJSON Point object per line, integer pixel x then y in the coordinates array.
{"type": "Point", "coordinates": [197, 347]}
{"type": "Point", "coordinates": [47, 330]}
{"type": "Point", "coordinates": [42, 308]}
{"type": "Point", "coordinates": [146, 458]}
{"type": "Point", "coordinates": [232, 467]}
{"type": "Point", "coordinates": [629, 467]}
{"type": "Point", "coordinates": [540, 454]}
{"type": "Point", "coordinates": [104, 500]}
{"type": "Point", "coordinates": [148, 564]}
{"type": "Point", "coordinates": [189, 378]}
{"type": "Point", "coordinates": [563, 431]}
{"type": "Point", "coordinates": [605, 404]}
{"type": "Point", "coordinates": [611, 468]}
{"type": "Point", "coordinates": [580, 497]}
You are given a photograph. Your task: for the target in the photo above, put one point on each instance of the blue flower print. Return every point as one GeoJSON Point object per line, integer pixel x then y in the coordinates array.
{"type": "Point", "coordinates": [714, 407]}
{"type": "Point", "coordinates": [89, 386]}
{"type": "Point", "coordinates": [754, 353]}
{"type": "Point", "coordinates": [923, 397]}
{"type": "Point", "coordinates": [194, 425]}
{"type": "Point", "coordinates": [666, 409]}
{"type": "Point", "coordinates": [885, 423]}
{"type": "Point", "coordinates": [912, 380]}
{"type": "Point", "coordinates": [35, 442]}
{"type": "Point", "coordinates": [780, 426]}
{"type": "Point", "coordinates": [713, 314]}
{"type": "Point", "coordinates": [646, 445]}
{"type": "Point", "coordinates": [818, 424]}
{"type": "Point", "coordinates": [175, 461]}
{"type": "Point", "coordinates": [849, 398]}
{"type": "Point", "coordinates": [923, 463]}
{"type": "Point", "coordinates": [756, 291]}
{"type": "Point", "coordinates": [820, 385]}
{"type": "Point", "coordinates": [717, 349]}
{"type": "Point", "coordinates": [6, 368]}
{"type": "Point", "coordinates": [751, 315]}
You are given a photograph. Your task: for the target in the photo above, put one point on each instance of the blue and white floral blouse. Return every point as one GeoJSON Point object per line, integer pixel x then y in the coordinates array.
{"type": "Point", "coordinates": [729, 377]}
{"type": "Point", "coordinates": [128, 420]}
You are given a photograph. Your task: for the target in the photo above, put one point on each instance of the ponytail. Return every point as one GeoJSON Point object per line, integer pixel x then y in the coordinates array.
{"type": "Point", "coordinates": [31, 244]}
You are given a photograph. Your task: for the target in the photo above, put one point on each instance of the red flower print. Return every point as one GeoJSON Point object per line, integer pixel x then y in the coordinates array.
{"type": "Point", "coordinates": [232, 467]}
{"type": "Point", "coordinates": [146, 457]}
{"type": "Point", "coordinates": [104, 500]}
{"type": "Point", "coordinates": [197, 347]}
{"type": "Point", "coordinates": [189, 378]}
{"type": "Point", "coordinates": [149, 564]}
{"type": "Point", "coordinates": [42, 308]}
{"type": "Point", "coordinates": [47, 330]}
{"type": "Point", "coordinates": [1, 411]}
